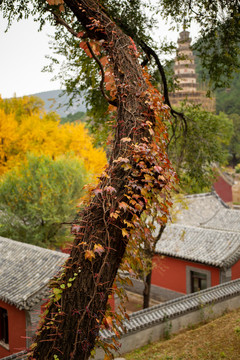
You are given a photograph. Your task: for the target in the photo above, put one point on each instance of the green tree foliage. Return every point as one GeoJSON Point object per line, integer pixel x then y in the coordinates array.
{"type": "Point", "coordinates": [234, 146]}
{"type": "Point", "coordinates": [227, 100]}
{"type": "Point", "coordinates": [78, 116]}
{"type": "Point", "coordinates": [24, 107]}
{"type": "Point", "coordinates": [205, 143]}
{"type": "Point", "coordinates": [38, 196]}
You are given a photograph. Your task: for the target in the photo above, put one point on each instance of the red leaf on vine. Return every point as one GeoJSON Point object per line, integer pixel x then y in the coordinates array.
{"type": "Point", "coordinates": [133, 46]}
{"type": "Point", "coordinates": [104, 61]}
{"type": "Point", "coordinates": [110, 189]}
{"type": "Point", "coordinates": [83, 46]}
{"type": "Point", "coordinates": [81, 34]}
{"type": "Point", "coordinates": [123, 205]}
{"type": "Point", "coordinates": [95, 48]}
{"type": "Point", "coordinates": [97, 191]}
{"type": "Point", "coordinates": [158, 169]}
{"type": "Point", "coordinates": [99, 249]}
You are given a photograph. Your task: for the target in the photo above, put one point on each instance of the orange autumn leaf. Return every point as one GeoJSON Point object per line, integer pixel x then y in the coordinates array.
{"type": "Point", "coordinates": [83, 45]}
{"type": "Point", "coordinates": [104, 61]}
{"type": "Point", "coordinates": [55, 2]}
{"type": "Point", "coordinates": [89, 255]}
{"type": "Point", "coordinates": [108, 321]}
{"type": "Point", "coordinates": [125, 233]}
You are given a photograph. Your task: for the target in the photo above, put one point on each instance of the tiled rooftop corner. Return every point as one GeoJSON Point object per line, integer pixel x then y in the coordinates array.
{"type": "Point", "coordinates": [208, 246]}
{"type": "Point", "coordinates": [25, 271]}
{"type": "Point", "coordinates": [200, 208]}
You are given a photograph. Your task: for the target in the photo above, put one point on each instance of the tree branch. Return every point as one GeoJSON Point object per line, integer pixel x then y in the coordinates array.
{"type": "Point", "coordinates": [60, 21]}
{"type": "Point", "coordinates": [150, 52]}
{"type": "Point", "coordinates": [112, 102]}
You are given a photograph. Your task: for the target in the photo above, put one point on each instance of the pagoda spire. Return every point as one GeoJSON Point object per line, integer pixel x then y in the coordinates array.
{"type": "Point", "coordinates": [185, 73]}
{"type": "Point", "coordinates": [184, 68]}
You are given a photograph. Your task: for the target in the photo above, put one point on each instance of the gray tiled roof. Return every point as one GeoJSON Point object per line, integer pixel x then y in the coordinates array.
{"type": "Point", "coordinates": [200, 208]}
{"type": "Point", "coordinates": [25, 270]}
{"type": "Point", "coordinates": [157, 314]}
{"type": "Point", "coordinates": [224, 219]}
{"type": "Point", "coordinates": [208, 246]}
{"type": "Point", "coordinates": [170, 309]}
{"type": "Point", "coordinates": [17, 356]}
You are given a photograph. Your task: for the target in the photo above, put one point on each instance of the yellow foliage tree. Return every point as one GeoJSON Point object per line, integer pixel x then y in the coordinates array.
{"type": "Point", "coordinates": [25, 127]}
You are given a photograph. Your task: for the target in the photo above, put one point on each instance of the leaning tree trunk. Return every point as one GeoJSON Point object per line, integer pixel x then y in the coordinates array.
{"type": "Point", "coordinates": [78, 304]}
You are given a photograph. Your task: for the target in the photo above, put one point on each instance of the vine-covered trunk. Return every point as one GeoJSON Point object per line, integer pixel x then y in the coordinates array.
{"type": "Point", "coordinates": [79, 299]}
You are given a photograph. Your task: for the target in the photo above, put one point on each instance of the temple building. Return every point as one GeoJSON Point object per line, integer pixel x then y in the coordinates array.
{"type": "Point", "coordinates": [184, 70]}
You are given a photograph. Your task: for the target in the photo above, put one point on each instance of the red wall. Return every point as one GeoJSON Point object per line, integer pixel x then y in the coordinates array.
{"type": "Point", "coordinates": [236, 271]}
{"type": "Point", "coordinates": [16, 330]}
{"type": "Point", "coordinates": [223, 189]}
{"type": "Point", "coordinates": [170, 273]}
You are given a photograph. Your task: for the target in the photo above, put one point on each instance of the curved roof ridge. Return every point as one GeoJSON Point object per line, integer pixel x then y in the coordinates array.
{"type": "Point", "coordinates": [214, 247]}
{"type": "Point", "coordinates": [27, 245]}
{"type": "Point", "coordinates": [202, 195]}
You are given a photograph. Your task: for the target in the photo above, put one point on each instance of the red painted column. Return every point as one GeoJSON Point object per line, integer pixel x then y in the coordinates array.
{"type": "Point", "coordinates": [236, 271]}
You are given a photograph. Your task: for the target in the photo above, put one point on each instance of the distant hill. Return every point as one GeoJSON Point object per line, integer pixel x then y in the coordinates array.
{"type": "Point", "coordinates": [55, 102]}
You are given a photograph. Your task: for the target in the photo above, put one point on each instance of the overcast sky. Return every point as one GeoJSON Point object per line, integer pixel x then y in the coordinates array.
{"type": "Point", "coordinates": [23, 50]}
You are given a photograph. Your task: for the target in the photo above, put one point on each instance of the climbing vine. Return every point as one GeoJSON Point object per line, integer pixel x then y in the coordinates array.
{"type": "Point", "coordinates": [137, 178]}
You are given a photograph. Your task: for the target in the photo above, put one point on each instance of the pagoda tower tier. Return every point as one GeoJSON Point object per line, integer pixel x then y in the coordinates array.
{"type": "Point", "coordinates": [184, 68]}
{"type": "Point", "coordinates": [185, 73]}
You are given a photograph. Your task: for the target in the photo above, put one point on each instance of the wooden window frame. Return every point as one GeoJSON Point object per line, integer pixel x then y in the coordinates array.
{"type": "Point", "coordinates": [4, 328]}
{"type": "Point", "coordinates": [189, 270]}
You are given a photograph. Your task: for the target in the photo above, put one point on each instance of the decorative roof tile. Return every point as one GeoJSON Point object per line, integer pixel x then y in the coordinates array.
{"type": "Point", "coordinates": [175, 307]}
{"type": "Point", "coordinates": [25, 271]}
{"type": "Point", "coordinates": [224, 219]}
{"type": "Point", "coordinates": [209, 246]}
{"type": "Point", "coordinates": [198, 208]}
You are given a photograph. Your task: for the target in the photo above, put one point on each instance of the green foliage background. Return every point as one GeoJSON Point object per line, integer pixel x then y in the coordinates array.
{"type": "Point", "coordinates": [206, 142]}
{"type": "Point", "coordinates": [37, 197]}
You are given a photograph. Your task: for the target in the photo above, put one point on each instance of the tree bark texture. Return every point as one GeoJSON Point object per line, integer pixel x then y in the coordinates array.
{"type": "Point", "coordinates": [149, 253]}
{"type": "Point", "coordinates": [72, 320]}
{"type": "Point", "coordinates": [147, 290]}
